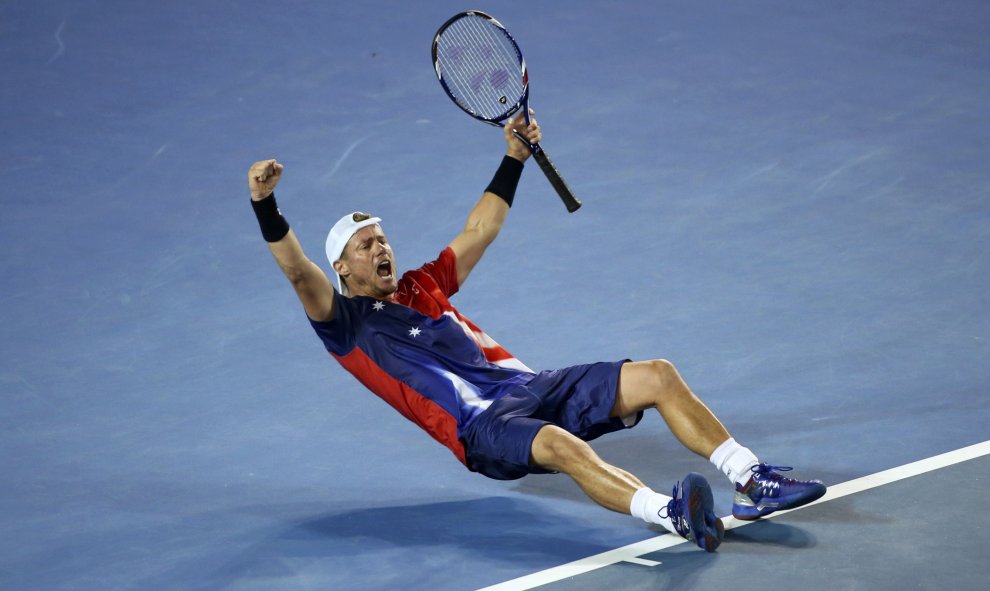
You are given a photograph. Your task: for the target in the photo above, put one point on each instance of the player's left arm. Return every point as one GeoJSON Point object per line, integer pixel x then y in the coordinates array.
{"type": "Point", "coordinates": [486, 219]}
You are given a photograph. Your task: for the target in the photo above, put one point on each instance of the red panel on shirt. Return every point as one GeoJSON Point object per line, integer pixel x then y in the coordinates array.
{"type": "Point", "coordinates": [415, 407]}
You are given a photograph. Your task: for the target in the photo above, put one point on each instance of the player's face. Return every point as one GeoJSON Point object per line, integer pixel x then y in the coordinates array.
{"type": "Point", "coordinates": [369, 264]}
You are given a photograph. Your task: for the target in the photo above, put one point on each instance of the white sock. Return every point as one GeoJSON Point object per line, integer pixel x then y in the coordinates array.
{"type": "Point", "coordinates": [647, 504]}
{"type": "Point", "coordinates": [735, 461]}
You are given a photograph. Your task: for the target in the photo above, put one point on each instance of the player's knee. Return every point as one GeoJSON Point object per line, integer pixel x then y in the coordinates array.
{"type": "Point", "coordinates": [556, 449]}
{"type": "Point", "coordinates": [663, 374]}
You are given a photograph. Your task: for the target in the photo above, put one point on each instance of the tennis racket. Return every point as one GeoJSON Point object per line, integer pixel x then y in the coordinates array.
{"type": "Point", "coordinates": [483, 71]}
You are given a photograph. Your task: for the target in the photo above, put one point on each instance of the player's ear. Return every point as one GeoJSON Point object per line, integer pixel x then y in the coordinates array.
{"type": "Point", "coordinates": [341, 268]}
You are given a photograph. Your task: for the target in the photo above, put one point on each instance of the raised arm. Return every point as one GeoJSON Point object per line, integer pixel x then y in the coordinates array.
{"type": "Point", "coordinates": [310, 282]}
{"type": "Point", "coordinates": [485, 220]}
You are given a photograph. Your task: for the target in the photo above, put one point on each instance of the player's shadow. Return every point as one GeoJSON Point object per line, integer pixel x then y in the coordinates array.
{"type": "Point", "coordinates": [771, 533]}
{"type": "Point", "coordinates": [496, 527]}
{"type": "Point", "coordinates": [451, 535]}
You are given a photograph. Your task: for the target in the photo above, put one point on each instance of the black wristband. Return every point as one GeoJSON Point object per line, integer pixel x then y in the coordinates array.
{"type": "Point", "coordinates": [506, 179]}
{"type": "Point", "coordinates": [273, 225]}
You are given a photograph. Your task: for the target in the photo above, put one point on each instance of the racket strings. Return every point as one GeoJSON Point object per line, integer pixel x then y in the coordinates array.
{"type": "Point", "coordinates": [481, 66]}
{"type": "Point", "coordinates": [474, 62]}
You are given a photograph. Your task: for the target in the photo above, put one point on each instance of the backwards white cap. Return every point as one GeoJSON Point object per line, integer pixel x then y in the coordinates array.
{"type": "Point", "coordinates": [337, 239]}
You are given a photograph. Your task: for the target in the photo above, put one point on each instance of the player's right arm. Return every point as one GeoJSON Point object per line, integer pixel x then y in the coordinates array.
{"type": "Point", "coordinates": [310, 282]}
{"type": "Point", "coordinates": [486, 219]}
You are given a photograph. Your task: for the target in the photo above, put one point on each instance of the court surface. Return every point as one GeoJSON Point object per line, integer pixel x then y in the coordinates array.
{"type": "Point", "coordinates": [790, 201]}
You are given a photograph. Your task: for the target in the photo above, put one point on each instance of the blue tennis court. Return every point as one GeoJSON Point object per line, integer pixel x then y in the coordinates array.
{"type": "Point", "coordinates": [790, 201]}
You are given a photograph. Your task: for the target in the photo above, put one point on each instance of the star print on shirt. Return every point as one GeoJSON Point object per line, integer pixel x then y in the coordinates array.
{"type": "Point", "coordinates": [378, 306]}
{"type": "Point", "coordinates": [414, 332]}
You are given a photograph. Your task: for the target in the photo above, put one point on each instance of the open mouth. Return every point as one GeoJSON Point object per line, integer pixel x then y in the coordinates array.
{"type": "Point", "coordinates": [385, 269]}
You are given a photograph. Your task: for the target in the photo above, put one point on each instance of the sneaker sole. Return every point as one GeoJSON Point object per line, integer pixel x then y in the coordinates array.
{"type": "Point", "coordinates": [706, 528]}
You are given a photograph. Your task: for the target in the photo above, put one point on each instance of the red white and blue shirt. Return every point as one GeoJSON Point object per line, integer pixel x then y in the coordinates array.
{"type": "Point", "coordinates": [420, 355]}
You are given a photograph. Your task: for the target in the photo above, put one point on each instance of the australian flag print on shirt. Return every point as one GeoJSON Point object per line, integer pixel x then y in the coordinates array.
{"type": "Point", "coordinates": [420, 355]}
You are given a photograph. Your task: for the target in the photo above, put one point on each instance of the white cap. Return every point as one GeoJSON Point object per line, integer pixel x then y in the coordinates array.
{"type": "Point", "coordinates": [337, 239]}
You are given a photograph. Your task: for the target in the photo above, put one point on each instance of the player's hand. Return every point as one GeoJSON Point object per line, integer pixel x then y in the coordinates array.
{"type": "Point", "coordinates": [262, 178]}
{"type": "Point", "coordinates": [518, 149]}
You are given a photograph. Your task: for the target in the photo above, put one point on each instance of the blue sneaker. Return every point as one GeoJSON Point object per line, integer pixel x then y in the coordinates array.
{"type": "Point", "coordinates": [692, 511]}
{"type": "Point", "coordinates": [767, 491]}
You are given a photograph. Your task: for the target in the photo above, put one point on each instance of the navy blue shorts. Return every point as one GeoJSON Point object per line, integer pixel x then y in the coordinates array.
{"type": "Point", "coordinates": [578, 399]}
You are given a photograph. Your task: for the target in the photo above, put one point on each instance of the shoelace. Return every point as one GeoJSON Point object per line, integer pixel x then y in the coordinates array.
{"type": "Point", "coordinates": [766, 476]}
{"type": "Point", "coordinates": [764, 468]}
{"type": "Point", "coordinates": [768, 479]}
{"type": "Point", "coordinates": [675, 511]}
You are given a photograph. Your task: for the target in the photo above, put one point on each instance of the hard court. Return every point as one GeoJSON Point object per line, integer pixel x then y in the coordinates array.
{"type": "Point", "coordinates": [789, 200]}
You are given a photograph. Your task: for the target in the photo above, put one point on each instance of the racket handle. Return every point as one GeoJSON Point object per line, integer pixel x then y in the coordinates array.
{"type": "Point", "coordinates": [557, 181]}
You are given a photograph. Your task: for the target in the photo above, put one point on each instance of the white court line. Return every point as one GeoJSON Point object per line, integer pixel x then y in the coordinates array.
{"type": "Point", "coordinates": [633, 552]}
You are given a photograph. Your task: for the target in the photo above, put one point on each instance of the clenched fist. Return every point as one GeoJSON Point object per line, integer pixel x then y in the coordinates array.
{"type": "Point", "coordinates": [262, 178]}
{"type": "Point", "coordinates": [520, 136]}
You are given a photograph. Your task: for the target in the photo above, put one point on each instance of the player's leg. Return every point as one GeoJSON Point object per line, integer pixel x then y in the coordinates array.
{"type": "Point", "coordinates": [657, 384]}
{"type": "Point", "coordinates": [760, 489]}
{"type": "Point", "coordinates": [688, 513]}
{"type": "Point", "coordinates": [557, 450]}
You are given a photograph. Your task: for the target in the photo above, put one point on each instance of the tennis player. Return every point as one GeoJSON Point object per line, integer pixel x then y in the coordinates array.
{"type": "Point", "coordinates": [402, 338]}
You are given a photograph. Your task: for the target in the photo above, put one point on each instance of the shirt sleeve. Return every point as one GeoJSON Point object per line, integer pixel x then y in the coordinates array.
{"type": "Point", "coordinates": [338, 334]}
{"type": "Point", "coordinates": [444, 271]}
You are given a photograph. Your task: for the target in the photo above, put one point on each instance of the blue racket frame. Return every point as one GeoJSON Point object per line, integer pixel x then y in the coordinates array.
{"type": "Point", "coordinates": [521, 103]}
{"type": "Point", "coordinates": [558, 183]}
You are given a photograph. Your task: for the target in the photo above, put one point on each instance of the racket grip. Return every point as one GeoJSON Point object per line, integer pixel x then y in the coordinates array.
{"type": "Point", "coordinates": [556, 181]}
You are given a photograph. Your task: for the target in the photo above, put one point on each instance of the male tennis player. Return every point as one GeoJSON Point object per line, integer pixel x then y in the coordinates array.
{"type": "Point", "coordinates": [402, 339]}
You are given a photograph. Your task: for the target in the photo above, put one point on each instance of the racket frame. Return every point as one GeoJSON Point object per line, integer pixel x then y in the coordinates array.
{"type": "Point", "coordinates": [551, 172]}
